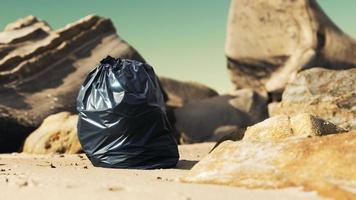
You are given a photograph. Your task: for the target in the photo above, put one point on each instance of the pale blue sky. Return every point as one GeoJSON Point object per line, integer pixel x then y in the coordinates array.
{"type": "Point", "coordinates": [183, 39]}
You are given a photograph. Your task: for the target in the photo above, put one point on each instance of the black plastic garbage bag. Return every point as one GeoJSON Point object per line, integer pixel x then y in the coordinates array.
{"type": "Point", "coordinates": [122, 118]}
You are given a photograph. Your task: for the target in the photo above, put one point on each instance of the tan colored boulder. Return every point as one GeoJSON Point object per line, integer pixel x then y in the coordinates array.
{"type": "Point", "coordinates": [323, 164]}
{"type": "Point", "coordinates": [269, 41]}
{"type": "Point", "coordinates": [182, 92]}
{"type": "Point", "coordinates": [41, 70]}
{"type": "Point", "coordinates": [281, 127]}
{"type": "Point", "coordinates": [57, 134]}
{"type": "Point", "coordinates": [329, 94]}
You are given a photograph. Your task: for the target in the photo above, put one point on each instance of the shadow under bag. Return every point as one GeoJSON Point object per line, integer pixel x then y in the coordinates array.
{"type": "Point", "coordinates": [122, 117]}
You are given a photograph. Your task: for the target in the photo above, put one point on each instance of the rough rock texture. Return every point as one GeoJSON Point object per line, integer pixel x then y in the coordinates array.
{"type": "Point", "coordinates": [268, 41]}
{"type": "Point", "coordinates": [197, 121]}
{"type": "Point", "coordinates": [330, 94]}
{"type": "Point", "coordinates": [57, 134]}
{"type": "Point", "coordinates": [182, 92]}
{"type": "Point", "coordinates": [281, 127]}
{"type": "Point", "coordinates": [325, 164]}
{"type": "Point", "coordinates": [41, 70]}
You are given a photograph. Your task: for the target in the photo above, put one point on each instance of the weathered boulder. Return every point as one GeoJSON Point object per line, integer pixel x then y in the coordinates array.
{"type": "Point", "coordinates": [325, 164]}
{"type": "Point", "coordinates": [281, 127]}
{"type": "Point", "coordinates": [269, 41]}
{"type": "Point", "coordinates": [197, 121]}
{"type": "Point", "coordinates": [329, 94]}
{"type": "Point", "coordinates": [182, 92]}
{"type": "Point", "coordinates": [57, 134]}
{"type": "Point", "coordinates": [41, 70]}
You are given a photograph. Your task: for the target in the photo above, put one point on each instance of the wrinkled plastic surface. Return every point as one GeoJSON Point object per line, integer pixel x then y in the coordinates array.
{"type": "Point", "coordinates": [122, 118]}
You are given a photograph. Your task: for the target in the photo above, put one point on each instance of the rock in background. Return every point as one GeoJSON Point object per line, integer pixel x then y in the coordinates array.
{"type": "Point", "coordinates": [330, 94]}
{"type": "Point", "coordinates": [42, 69]}
{"type": "Point", "coordinates": [182, 92]}
{"type": "Point", "coordinates": [269, 41]}
{"type": "Point", "coordinates": [57, 134]}
{"type": "Point", "coordinates": [198, 121]}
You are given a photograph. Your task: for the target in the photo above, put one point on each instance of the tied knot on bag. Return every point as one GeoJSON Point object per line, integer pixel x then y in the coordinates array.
{"type": "Point", "coordinates": [110, 61]}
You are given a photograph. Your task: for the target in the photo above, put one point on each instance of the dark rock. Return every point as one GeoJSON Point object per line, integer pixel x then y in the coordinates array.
{"type": "Point", "coordinates": [182, 92]}
{"type": "Point", "coordinates": [198, 121]}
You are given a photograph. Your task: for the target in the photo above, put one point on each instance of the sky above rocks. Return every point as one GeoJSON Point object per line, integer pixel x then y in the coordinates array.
{"type": "Point", "coordinates": [182, 39]}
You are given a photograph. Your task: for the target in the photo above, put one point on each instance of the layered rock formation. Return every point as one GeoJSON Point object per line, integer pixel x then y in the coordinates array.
{"type": "Point", "coordinates": [198, 121]}
{"type": "Point", "coordinates": [330, 94]}
{"type": "Point", "coordinates": [42, 69]}
{"type": "Point", "coordinates": [269, 41]}
{"type": "Point", "coordinates": [325, 164]}
{"type": "Point", "coordinates": [57, 134]}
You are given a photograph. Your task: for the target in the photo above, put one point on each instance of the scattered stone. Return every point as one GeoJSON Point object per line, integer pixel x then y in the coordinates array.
{"type": "Point", "coordinates": [329, 94]}
{"type": "Point", "coordinates": [114, 188]}
{"type": "Point", "coordinates": [269, 41]}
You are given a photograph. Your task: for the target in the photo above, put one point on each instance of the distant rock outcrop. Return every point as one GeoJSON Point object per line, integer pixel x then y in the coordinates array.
{"type": "Point", "coordinates": [269, 41]}
{"type": "Point", "coordinates": [57, 134]}
{"type": "Point", "coordinates": [41, 70]}
{"type": "Point", "coordinates": [329, 94]}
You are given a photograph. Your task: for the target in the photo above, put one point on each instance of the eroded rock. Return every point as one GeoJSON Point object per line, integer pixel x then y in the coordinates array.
{"type": "Point", "coordinates": [41, 70]}
{"type": "Point", "coordinates": [269, 41]}
{"type": "Point", "coordinates": [329, 94]}
{"type": "Point", "coordinates": [324, 164]}
{"type": "Point", "coordinates": [57, 134]}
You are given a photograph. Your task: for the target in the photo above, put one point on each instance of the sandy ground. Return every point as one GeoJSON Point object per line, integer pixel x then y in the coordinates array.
{"type": "Point", "coordinates": [24, 176]}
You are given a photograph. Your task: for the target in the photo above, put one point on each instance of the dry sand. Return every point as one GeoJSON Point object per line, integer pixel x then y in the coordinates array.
{"type": "Point", "coordinates": [24, 176]}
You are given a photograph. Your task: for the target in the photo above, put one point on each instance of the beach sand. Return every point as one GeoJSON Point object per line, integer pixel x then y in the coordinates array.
{"type": "Point", "coordinates": [25, 176]}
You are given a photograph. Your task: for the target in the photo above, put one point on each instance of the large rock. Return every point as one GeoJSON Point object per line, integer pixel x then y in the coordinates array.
{"type": "Point", "coordinates": [198, 121]}
{"type": "Point", "coordinates": [57, 134]}
{"type": "Point", "coordinates": [42, 69]}
{"type": "Point", "coordinates": [182, 92]}
{"type": "Point", "coordinates": [325, 164]}
{"type": "Point", "coordinates": [330, 94]}
{"type": "Point", "coordinates": [282, 127]}
{"type": "Point", "coordinates": [269, 41]}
